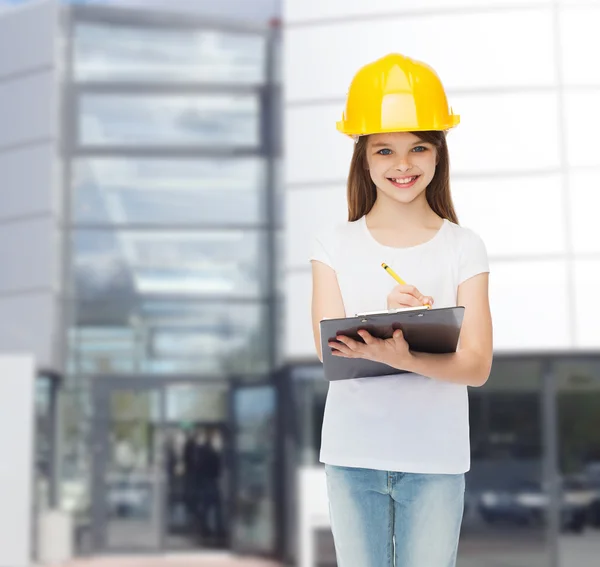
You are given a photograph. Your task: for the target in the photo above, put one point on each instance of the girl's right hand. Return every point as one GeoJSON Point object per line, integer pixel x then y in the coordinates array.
{"type": "Point", "coordinates": [407, 296]}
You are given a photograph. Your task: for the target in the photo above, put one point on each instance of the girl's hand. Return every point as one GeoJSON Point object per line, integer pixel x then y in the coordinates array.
{"type": "Point", "coordinates": [407, 296]}
{"type": "Point", "coordinates": [393, 352]}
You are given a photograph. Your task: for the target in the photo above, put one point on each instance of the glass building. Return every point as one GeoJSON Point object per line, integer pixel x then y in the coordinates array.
{"type": "Point", "coordinates": [158, 278]}
{"type": "Point", "coordinates": [170, 145]}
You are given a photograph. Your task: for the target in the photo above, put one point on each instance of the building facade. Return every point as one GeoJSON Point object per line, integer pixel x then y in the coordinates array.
{"type": "Point", "coordinates": [525, 176]}
{"type": "Point", "coordinates": [142, 153]}
{"type": "Point", "coordinates": [147, 190]}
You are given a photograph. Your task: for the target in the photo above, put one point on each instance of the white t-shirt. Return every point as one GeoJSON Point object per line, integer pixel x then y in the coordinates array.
{"type": "Point", "coordinates": [406, 422]}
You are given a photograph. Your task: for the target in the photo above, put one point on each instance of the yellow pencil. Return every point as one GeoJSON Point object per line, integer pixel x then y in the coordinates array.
{"type": "Point", "coordinates": [397, 278]}
{"type": "Point", "coordinates": [392, 273]}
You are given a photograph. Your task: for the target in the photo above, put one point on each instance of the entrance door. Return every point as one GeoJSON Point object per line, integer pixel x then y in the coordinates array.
{"type": "Point", "coordinates": [128, 464]}
{"type": "Point", "coordinates": [161, 470]}
{"type": "Point", "coordinates": [198, 468]}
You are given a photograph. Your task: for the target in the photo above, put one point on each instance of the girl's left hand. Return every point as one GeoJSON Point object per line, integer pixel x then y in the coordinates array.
{"type": "Point", "coordinates": [393, 352]}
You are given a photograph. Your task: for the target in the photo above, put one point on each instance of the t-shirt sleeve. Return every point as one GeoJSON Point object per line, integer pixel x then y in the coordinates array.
{"type": "Point", "coordinates": [321, 250]}
{"type": "Point", "coordinates": [473, 257]}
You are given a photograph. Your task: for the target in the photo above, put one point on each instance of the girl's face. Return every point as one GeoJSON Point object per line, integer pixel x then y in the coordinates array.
{"type": "Point", "coordinates": [401, 165]}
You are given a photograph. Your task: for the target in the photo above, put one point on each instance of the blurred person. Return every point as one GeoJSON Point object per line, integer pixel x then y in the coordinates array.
{"type": "Point", "coordinates": [190, 480]}
{"type": "Point", "coordinates": [396, 448]}
{"type": "Point", "coordinates": [209, 468]}
{"type": "Point", "coordinates": [175, 474]}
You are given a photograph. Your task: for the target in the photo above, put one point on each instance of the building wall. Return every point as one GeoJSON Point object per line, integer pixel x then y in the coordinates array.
{"type": "Point", "coordinates": [30, 216]}
{"type": "Point", "coordinates": [17, 397]}
{"type": "Point", "coordinates": [525, 165]}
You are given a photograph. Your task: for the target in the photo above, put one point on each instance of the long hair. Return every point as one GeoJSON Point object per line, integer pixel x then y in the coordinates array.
{"type": "Point", "coordinates": [362, 192]}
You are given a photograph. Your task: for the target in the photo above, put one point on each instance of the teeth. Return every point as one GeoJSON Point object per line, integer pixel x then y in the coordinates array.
{"type": "Point", "coordinates": [404, 179]}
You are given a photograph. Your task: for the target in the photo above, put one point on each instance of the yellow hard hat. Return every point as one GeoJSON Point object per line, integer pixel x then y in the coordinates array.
{"type": "Point", "coordinates": [396, 94]}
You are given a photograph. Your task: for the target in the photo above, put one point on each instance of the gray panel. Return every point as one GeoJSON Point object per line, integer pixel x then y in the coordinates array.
{"type": "Point", "coordinates": [28, 34]}
{"type": "Point", "coordinates": [29, 255]}
{"type": "Point", "coordinates": [17, 400]}
{"type": "Point", "coordinates": [28, 109]}
{"type": "Point", "coordinates": [27, 181]}
{"type": "Point", "coordinates": [28, 324]}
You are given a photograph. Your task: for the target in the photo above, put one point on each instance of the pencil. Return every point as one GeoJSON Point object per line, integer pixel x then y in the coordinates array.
{"type": "Point", "coordinates": [398, 278]}
{"type": "Point", "coordinates": [392, 273]}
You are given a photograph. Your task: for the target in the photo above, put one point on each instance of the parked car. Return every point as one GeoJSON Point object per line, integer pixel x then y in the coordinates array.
{"type": "Point", "coordinates": [527, 503]}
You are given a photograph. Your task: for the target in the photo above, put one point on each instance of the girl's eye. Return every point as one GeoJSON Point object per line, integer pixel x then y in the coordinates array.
{"type": "Point", "coordinates": [386, 150]}
{"type": "Point", "coordinates": [419, 149]}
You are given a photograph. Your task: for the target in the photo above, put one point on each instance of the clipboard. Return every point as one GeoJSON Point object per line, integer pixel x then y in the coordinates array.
{"type": "Point", "coordinates": [425, 330]}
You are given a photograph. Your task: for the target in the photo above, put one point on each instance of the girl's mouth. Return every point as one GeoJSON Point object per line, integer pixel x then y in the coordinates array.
{"type": "Point", "coordinates": [403, 182]}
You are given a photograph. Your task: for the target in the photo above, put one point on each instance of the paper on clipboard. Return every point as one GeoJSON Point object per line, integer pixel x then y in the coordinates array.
{"type": "Point", "coordinates": [390, 311]}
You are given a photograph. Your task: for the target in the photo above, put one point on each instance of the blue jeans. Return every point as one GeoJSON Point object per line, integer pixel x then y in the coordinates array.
{"type": "Point", "coordinates": [382, 519]}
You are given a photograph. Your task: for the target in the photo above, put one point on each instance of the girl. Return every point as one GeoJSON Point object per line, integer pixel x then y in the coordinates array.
{"type": "Point", "coordinates": [396, 447]}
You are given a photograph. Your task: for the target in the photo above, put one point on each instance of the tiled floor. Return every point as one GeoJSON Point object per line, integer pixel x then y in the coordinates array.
{"type": "Point", "coordinates": [196, 560]}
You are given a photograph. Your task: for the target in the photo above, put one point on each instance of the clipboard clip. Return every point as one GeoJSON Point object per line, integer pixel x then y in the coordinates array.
{"type": "Point", "coordinates": [392, 311]}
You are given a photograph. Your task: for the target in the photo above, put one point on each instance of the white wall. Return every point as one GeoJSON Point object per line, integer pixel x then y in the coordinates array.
{"type": "Point", "coordinates": [30, 217]}
{"type": "Point", "coordinates": [525, 159]}
{"type": "Point", "coordinates": [17, 388]}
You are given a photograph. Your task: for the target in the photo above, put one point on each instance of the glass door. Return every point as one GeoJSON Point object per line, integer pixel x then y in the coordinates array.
{"type": "Point", "coordinates": [162, 465]}
{"type": "Point", "coordinates": [197, 466]}
{"type": "Point", "coordinates": [128, 478]}
{"type": "Point", "coordinates": [253, 417]}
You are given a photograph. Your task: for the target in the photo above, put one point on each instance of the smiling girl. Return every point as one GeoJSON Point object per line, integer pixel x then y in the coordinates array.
{"type": "Point", "coordinates": [396, 448]}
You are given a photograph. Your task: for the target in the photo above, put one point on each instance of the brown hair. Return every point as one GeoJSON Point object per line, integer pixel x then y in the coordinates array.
{"type": "Point", "coordinates": [362, 192]}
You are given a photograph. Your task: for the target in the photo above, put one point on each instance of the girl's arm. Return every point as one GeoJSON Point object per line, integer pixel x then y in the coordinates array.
{"type": "Point", "coordinates": [326, 299]}
{"type": "Point", "coordinates": [472, 362]}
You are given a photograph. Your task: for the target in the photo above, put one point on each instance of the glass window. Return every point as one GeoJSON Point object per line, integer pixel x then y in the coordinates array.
{"type": "Point", "coordinates": [479, 57]}
{"type": "Point", "coordinates": [310, 210]}
{"type": "Point", "coordinates": [76, 456]}
{"type": "Point", "coordinates": [579, 35]}
{"type": "Point", "coordinates": [132, 263]}
{"type": "Point", "coordinates": [587, 312]}
{"type": "Point", "coordinates": [504, 483]}
{"type": "Point", "coordinates": [533, 314]}
{"type": "Point", "coordinates": [151, 120]}
{"type": "Point", "coordinates": [205, 402]}
{"type": "Point", "coordinates": [584, 198]}
{"type": "Point", "coordinates": [299, 342]}
{"type": "Point", "coordinates": [99, 345]}
{"type": "Point", "coordinates": [582, 123]}
{"type": "Point", "coordinates": [119, 53]}
{"type": "Point", "coordinates": [484, 205]}
{"type": "Point", "coordinates": [309, 390]}
{"type": "Point", "coordinates": [253, 523]}
{"type": "Point", "coordinates": [169, 192]}
{"type": "Point", "coordinates": [168, 336]}
{"type": "Point", "coordinates": [309, 11]}
{"type": "Point", "coordinates": [578, 383]}
{"type": "Point", "coordinates": [474, 150]}
{"type": "Point", "coordinates": [578, 424]}
{"type": "Point", "coordinates": [316, 151]}
{"type": "Point", "coordinates": [530, 305]}
{"type": "Point", "coordinates": [44, 440]}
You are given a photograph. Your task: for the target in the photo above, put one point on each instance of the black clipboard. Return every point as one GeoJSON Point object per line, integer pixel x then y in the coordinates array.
{"type": "Point", "coordinates": [426, 330]}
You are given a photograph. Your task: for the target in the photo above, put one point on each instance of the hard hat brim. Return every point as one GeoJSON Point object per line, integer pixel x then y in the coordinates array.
{"type": "Point", "coordinates": [453, 120]}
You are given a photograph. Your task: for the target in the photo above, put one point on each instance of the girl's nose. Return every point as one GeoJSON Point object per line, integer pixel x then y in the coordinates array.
{"type": "Point", "coordinates": [403, 165]}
